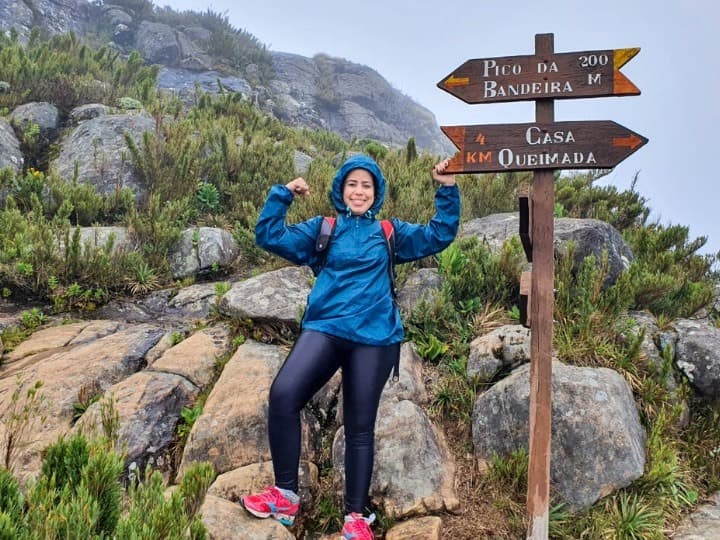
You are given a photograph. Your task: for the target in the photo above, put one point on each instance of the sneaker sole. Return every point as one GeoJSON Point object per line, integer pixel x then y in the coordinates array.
{"type": "Point", "coordinates": [285, 519]}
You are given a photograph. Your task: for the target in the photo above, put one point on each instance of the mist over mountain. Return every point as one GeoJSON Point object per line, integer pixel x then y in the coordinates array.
{"type": "Point", "coordinates": [202, 50]}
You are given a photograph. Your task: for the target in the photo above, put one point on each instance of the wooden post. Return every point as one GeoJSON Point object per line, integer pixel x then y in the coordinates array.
{"type": "Point", "coordinates": [543, 202]}
{"type": "Point", "coordinates": [543, 147]}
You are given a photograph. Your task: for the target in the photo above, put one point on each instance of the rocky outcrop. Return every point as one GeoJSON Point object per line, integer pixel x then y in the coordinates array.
{"type": "Point", "coordinates": [10, 153]}
{"type": "Point", "coordinates": [589, 237]}
{"type": "Point", "coordinates": [232, 432]}
{"type": "Point", "coordinates": [53, 16]}
{"type": "Point", "coordinates": [350, 99]}
{"type": "Point", "coordinates": [502, 349]}
{"type": "Point", "coordinates": [279, 295]}
{"type": "Point", "coordinates": [598, 443]}
{"type": "Point", "coordinates": [703, 523]}
{"type": "Point", "coordinates": [200, 250]}
{"type": "Point", "coordinates": [185, 82]}
{"type": "Point", "coordinates": [98, 149]}
{"type": "Point", "coordinates": [423, 284]}
{"type": "Point", "coordinates": [698, 355]}
{"type": "Point", "coordinates": [64, 372]}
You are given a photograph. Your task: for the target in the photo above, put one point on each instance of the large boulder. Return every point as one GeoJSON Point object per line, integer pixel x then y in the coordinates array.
{"type": "Point", "coordinates": [502, 349]}
{"type": "Point", "coordinates": [98, 149]}
{"type": "Point", "coordinates": [42, 114]}
{"type": "Point", "coordinates": [589, 236]}
{"type": "Point", "coordinates": [422, 284]}
{"type": "Point", "coordinates": [88, 112]}
{"type": "Point", "coordinates": [52, 16]}
{"type": "Point", "coordinates": [10, 153]}
{"type": "Point", "coordinates": [279, 295]}
{"type": "Point", "coordinates": [148, 406]}
{"type": "Point", "coordinates": [697, 354]}
{"type": "Point", "coordinates": [703, 523]}
{"type": "Point", "coordinates": [593, 237]}
{"type": "Point", "coordinates": [232, 430]}
{"type": "Point", "coordinates": [157, 43]}
{"type": "Point", "coordinates": [598, 442]}
{"type": "Point", "coordinates": [414, 472]}
{"type": "Point", "coordinates": [202, 249]}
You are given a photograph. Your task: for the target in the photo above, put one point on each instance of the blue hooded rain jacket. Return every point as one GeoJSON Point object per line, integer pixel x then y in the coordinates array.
{"type": "Point", "coordinates": [352, 298]}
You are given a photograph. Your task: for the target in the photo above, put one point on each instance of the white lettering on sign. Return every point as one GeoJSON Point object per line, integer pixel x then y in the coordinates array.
{"type": "Point", "coordinates": [535, 135]}
{"type": "Point", "coordinates": [491, 69]}
{"type": "Point", "coordinates": [593, 78]}
{"type": "Point", "coordinates": [593, 60]}
{"type": "Point", "coordinates": [544, 67]}
{"type": "Point", "coordinates": [493, 89]}
{"type": "Point", "coordinates": [507, 158]}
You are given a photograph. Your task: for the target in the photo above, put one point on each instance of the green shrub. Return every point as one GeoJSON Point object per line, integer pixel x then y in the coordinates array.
{"type": "Point", "coordinates": [26, 405]}
{"type": "Point", "coordinates": [11, 502]}
{"type": "Point", "coordinates": [668, 276]}
{"type": "Point", "coordinates": [33, 318]}
{"type": "Point", "coordinates": [588, 315]}
{"type": "Point", "coordinates": [581, 199]}
{"type": "Point", "coordinates": [79, 495]}
{"type": "Point", "coordinates": [65, 460]}
{"type": "Point", "coordinates": [64, 71]}
{"type": "Point", "coordinates": [152, 515]}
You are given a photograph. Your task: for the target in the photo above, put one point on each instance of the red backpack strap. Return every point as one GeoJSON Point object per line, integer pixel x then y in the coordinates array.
{"type": "Point", "coordinates": [389, 233]}
{"type": "Point", "coordinates": [326, 229]}
{"type": "Point", "coordinates": [388, 229]}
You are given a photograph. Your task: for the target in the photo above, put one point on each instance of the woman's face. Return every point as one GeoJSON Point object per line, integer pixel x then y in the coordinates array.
{"type": "Point", "coordinates": [359, 191]}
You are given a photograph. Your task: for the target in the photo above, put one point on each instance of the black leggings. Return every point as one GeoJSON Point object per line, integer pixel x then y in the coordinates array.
{"type": "Point", "coordinates": [311, 363]}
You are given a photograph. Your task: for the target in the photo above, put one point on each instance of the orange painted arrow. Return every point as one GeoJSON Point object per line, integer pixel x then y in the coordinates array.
{"type": "Point", "coordinates": [621, 84]}
{"type": "Point", "coordinates": [457, 81]}
{"type": "Point", "coordinates": [632, 141]}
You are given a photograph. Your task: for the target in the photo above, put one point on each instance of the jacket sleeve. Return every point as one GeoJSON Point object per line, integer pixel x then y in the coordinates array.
{"type": "Point", "coordinates": [413, 241]}
{"type": "Point", "coordinates": [296, 243]}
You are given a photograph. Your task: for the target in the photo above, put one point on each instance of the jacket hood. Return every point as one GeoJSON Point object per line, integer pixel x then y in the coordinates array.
{"type": "Point", "coordinates": [358, 161]}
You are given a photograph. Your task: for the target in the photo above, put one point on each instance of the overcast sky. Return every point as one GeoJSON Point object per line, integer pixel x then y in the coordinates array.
{"type": "Point", "coordinates": [416, 44]}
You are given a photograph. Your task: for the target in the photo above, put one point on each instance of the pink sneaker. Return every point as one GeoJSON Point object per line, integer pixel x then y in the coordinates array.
{"type": "Point", "coordinates": [357, 527]}
{"type": "Point", "coordinates": [271, 502]}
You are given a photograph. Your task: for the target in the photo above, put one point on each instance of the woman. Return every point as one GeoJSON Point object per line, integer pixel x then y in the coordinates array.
{"type": "Point", "coordinates": [351, 322]}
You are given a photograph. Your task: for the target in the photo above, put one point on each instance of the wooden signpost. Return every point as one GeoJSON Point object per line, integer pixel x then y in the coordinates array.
{"type": "Point", "coordinates": [543, 147]}
{"type": "Point", "coordinates": [559, 145]}
{"type": "Point", "coordinates": [542, 76]}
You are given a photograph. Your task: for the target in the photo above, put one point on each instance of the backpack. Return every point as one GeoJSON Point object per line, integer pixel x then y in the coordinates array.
{"type": "Point", "coordinates": [323, 242]}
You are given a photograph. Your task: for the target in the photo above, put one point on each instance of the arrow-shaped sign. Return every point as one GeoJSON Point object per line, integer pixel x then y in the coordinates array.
{"type": "Point", "coordinates": [523, 147]}
{"type": "Point", "coordinates": [555, 76]}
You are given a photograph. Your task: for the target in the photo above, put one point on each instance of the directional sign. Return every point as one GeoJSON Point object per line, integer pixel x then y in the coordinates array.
{"type": "Point", "coordinates": [524, 147]}
{"type": "Point", "coordinates": [554, 76]}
